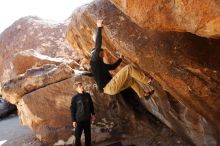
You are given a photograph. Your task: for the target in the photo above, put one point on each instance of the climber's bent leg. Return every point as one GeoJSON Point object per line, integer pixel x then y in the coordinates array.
{"type": "Point", "coordinates": [124, 79]}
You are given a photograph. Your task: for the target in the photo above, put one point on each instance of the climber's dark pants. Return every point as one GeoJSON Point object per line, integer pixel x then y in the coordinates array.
{"type": "Point", "coordinates": [86, 127]}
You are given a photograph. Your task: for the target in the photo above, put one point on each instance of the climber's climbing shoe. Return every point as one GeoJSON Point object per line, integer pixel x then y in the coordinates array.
{"type": "Point", "coordinates": [150, 93]}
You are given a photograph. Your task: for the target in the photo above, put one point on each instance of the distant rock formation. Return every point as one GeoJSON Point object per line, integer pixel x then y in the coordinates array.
{"type": "Point", "coordinates": [47, 38]}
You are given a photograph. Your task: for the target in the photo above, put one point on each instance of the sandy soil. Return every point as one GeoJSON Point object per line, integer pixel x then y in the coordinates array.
{"type": "Point", "coordinates": [12, 133]}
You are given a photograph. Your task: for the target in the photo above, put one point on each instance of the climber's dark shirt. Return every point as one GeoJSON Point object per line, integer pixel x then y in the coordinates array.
{"type": "Point", "coordinates": [99, 69]}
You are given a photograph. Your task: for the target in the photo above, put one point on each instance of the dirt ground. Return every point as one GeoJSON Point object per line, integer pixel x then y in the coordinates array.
{"type": "Point", "coordinates": [12, 133]}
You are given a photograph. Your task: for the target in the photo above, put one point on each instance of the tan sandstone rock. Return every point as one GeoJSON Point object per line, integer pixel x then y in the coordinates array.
{"type": "Point", "coordinates": [186, 67]}
{"type": "Point", "coordinates": [198, 17]}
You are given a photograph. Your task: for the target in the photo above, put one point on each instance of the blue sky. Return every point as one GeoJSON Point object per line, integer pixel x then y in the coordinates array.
{"type": "Point", "coordinates": [56, 10]}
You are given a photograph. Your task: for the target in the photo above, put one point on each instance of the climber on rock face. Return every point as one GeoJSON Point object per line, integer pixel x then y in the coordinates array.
{"type": "Point", "coordinates": [128, 76]}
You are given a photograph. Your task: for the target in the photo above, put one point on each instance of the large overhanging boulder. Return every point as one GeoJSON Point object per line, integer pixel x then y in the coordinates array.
{"type": "Point", "coordinates": [200, 17]}
{"type": "Point", "coordinates": [186, 67]}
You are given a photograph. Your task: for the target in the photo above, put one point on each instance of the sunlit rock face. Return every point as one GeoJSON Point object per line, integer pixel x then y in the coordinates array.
{"type": "Point", "coordinates": [46, 38]}
{"type": "Point", "coordinates": [198, 17]}
{"type": "Point", "coordinates": [185, 66]}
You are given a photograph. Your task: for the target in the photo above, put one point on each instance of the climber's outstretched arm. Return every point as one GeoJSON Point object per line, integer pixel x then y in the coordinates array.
{"type": "Point", "coordinates": [98, 41]}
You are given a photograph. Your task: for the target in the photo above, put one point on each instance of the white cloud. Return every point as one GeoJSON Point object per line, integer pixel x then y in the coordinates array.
{"type": "Point", "coordinates": [57, 10]}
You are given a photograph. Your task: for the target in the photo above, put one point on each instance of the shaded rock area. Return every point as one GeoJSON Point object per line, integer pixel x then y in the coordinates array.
{"type": "Point", "coordinates": [6, 108]}
{"type": "Point", "coordinates": [198, 17]}
{"type": "Point", "coordinates": [45, 109]}
{"type": "Point", "coordinates": [45, 37]}
{"type": "Point", "coordinates": [185, 67]}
